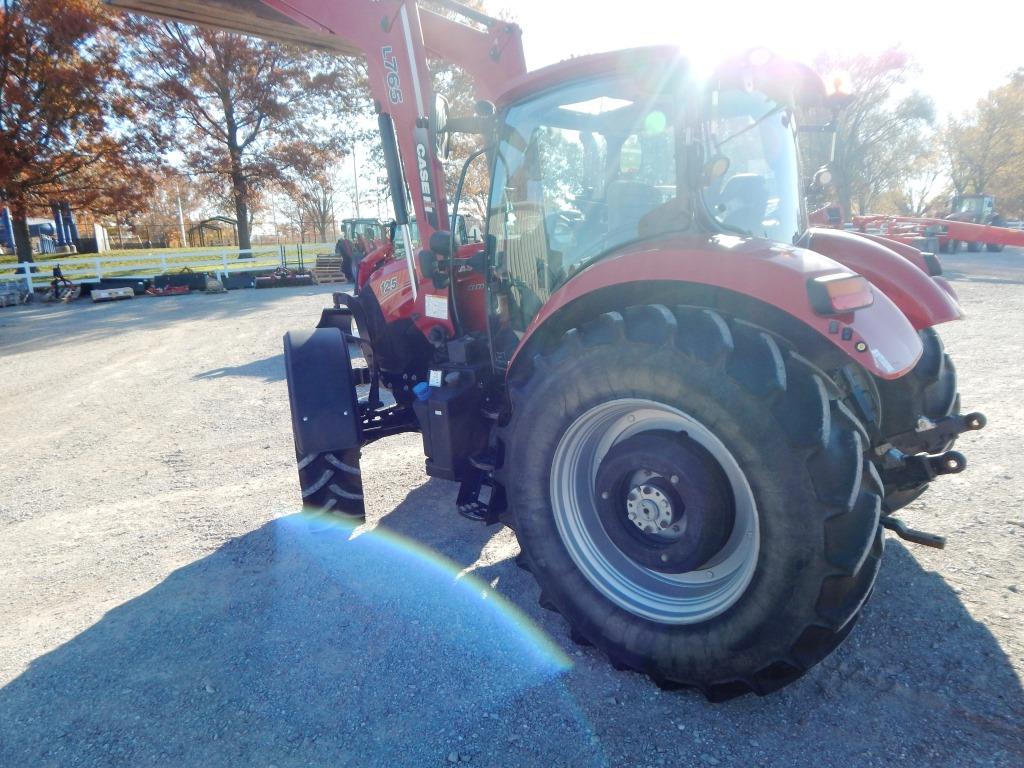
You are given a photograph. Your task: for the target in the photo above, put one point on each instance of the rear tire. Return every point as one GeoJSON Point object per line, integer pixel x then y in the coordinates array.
{"type": "Point", "coordinates": [789, 456]}
{"type": "Point", "coordinates": [331, 482]}
{"type": "Point", "coordinates": [929, 390]}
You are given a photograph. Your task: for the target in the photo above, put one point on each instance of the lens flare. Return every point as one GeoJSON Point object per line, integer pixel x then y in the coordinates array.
{"type": "Point", "coordinates": [409, 583]}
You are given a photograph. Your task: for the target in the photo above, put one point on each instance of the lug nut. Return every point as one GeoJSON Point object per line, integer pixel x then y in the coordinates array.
{"type": "Point", "coordinates": [674, 479]}
{"type": "Point", "coordinates": [604, 494]}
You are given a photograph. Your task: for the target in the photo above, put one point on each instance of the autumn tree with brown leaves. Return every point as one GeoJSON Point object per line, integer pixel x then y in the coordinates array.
{"type": "Point", "coordinates": [984, 148]}
{"type": "Point", "coordinates": [244, 111]}
{"type": "Point", "coordinates": [68, 125]}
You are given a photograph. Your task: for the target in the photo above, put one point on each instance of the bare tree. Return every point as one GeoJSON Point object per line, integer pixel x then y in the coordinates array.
{"type": "Point", "coordinates": [314, 201]}
{"type": "Point", "coordinates": [882, 131]}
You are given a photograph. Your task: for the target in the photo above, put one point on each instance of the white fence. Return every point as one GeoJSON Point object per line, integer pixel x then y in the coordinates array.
{"type": "Point", "coordinates": [142, 266]}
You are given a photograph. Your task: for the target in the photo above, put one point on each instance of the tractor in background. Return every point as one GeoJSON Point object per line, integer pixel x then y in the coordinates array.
{"type": "Point", "coordinates": [974, 209]}
{"type": "Point", "coordinates": [374, 231]}
{"type": "Point", "coordinates": [697, 412]}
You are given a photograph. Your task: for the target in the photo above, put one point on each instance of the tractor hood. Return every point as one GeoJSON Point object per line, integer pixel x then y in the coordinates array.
{"type": "Point", "coordinates": [259, 18]}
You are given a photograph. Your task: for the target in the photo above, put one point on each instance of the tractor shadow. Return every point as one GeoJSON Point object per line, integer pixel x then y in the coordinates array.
{"type": "Point", "coordinates": [296, 644]}
{"type": "Point", "coordinates": [307, 643]}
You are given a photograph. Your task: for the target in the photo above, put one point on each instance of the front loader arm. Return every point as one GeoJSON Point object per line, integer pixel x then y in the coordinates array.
{"type": "Point", "coordinates": [395, 37]}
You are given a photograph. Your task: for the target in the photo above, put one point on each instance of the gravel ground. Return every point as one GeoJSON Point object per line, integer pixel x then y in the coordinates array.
{"type": "Point", "coordinates": [162, 602]}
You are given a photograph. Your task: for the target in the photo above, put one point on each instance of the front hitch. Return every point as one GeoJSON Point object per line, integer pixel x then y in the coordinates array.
{"type": "Point", "coordinates": [903, 472]}
{"type": "Point", "coordinates": [900, 471]}
{"type": "Point", "coordinates": [933, 436]}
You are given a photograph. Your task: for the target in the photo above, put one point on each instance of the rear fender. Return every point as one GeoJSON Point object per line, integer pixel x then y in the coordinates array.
{"type": "Point", "coordinates": [924, 302]}
{"type": "Point", "coordinates": [336, 317]}
{"type": "Point", "coordinates": [915, 257]}
{"type": "Point", "coordinates": [878, 337]}
{"type": "Point", "coordinates": [321, 391]}
{"type": "Point", "coordinates": [908, 252]}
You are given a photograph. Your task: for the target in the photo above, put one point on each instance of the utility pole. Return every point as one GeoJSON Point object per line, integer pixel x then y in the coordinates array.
{"type": "Point", "coordinates": [355, 178]}
{"type": "Point", "coordinates": [181, 218]}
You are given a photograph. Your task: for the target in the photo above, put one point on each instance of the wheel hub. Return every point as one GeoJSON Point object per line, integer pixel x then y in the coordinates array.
{"type": "Point", "coordinates": [651, 510]}
{"type": "Point", "coordinates": [664, 501]}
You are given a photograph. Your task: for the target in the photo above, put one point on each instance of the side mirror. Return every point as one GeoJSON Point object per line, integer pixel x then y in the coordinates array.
{"type": "Point", "coordinates": [822, 178]}
{"type": "Point", "coordinates": [431, 268]}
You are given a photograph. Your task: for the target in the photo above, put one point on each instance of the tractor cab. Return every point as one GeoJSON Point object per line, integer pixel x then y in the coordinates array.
{"type": "Point", "coordinates": [978, 209]}
{"type": "Point", "coordinates": [372, 230]}
{"type": "Point", "coordinates": [633, 149]}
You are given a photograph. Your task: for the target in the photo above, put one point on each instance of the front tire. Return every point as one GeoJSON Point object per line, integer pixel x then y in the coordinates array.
{"type": "Point", "coordinates": [769, 470]}
{"type": "Point", "coordinates": [331, 482]}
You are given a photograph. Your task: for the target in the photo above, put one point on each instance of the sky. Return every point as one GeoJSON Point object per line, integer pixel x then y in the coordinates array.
{"type": "Point", "coordinates": [960, 60]}
{"type": "Point", "coordinates": [955, 72]}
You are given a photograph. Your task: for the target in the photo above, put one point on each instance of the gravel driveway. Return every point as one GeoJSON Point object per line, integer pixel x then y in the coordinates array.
{"type": "Point", "coordinates": [163, 603]}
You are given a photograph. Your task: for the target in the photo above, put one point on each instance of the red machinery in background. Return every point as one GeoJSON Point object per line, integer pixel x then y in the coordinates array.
{"type": "Point", "coordinates": [976, 230]}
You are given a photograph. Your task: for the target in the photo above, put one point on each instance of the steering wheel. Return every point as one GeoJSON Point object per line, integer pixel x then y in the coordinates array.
{"type": "Point", "coordinates": [560, 228]}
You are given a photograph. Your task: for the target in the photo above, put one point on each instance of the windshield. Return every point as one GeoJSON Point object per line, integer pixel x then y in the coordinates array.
{"type": "Point", "coordinates": [579, 172]}
{"type": "Point", "coordinates": [759, 194]}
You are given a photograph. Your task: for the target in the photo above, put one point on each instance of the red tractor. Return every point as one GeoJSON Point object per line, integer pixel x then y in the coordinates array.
{"type": "Point", "coordinates": [696, 412]}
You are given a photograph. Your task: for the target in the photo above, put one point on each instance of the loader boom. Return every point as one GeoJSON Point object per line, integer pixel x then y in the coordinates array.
{"type": "Point", "coordinates": [396, 37]}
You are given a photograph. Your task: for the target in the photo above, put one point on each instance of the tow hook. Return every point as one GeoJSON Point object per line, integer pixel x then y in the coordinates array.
{"type": "Point", "coordinates": [910, 534]}
{"type": "Point", "coordinates": [902, 471]}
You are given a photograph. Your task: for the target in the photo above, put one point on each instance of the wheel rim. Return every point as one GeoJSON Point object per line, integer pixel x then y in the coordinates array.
{"type": "Point", "coordinates": [667, 598]}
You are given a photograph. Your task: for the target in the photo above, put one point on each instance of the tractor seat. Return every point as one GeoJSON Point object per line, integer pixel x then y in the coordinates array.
{"type": "Point", "coordinates": [745, 196]}
{"type": "Point", "coordinates": [628, 202]}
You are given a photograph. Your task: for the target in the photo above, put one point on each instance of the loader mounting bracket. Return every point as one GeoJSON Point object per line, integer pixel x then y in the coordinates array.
{"type": "Point", "coordinates": [386, 421]}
